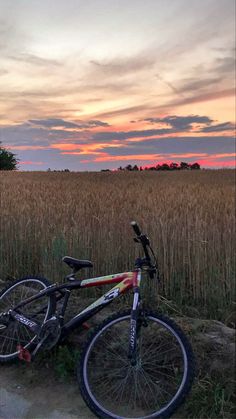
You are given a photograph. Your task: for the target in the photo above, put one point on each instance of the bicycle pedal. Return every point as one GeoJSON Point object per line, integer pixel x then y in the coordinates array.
{"type": "Point", "coordinates": [86, 326]}
{"type": "Point", "coordinates": [24, 354]}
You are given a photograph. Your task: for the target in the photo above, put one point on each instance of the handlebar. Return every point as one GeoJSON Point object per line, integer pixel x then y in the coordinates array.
{"type": "Point", "coordinates": [136, 228]}
{"type": "Point", "coordinates": [144, 240]}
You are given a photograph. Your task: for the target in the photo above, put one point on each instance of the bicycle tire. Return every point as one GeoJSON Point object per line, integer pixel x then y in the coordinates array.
{"type": "Point", "coordinates": [94, 365]}
{"type": "Point", "coordinates": [17, 333]}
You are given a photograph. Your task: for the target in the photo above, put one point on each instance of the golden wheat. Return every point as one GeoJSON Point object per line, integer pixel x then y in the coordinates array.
{"type": "Point", "coordinates": [189, 217]}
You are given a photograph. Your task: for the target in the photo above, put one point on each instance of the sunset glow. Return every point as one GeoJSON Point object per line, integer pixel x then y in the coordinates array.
{"type": "Point", "coordinates": [97, 84]}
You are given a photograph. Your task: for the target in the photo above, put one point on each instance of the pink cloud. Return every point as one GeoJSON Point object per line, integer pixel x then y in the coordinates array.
{"type": "Point", "coordinates": [29, 162]}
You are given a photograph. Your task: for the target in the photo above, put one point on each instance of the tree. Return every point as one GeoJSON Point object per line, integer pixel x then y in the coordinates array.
{"type": "Point", "coordinates": [165, 166]}
{"type": "Point", "coordinates": [129, 167]}
{"type": "Point", "coordinates": [174, 166]}
{"type": "Point", "coordinates": [195, 166]}
{"type": "Point", "coordinates": [184, 166]}
{"type": "Point", "coordinates": [8, 160]}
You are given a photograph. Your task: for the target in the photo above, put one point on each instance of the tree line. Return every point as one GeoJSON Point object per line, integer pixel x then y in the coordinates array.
{"type": "Point", "coordinates": [172, 166]}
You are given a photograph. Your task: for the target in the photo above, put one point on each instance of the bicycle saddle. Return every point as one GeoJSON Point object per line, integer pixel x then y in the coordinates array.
{"type": "Point", "coordinates": [77, 264]}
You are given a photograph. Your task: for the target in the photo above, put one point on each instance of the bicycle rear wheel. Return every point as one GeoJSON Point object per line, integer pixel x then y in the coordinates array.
{"type": "Point", "coordinates": [14, 333]}
{"type": "Point", "coordinates": [154, 387]}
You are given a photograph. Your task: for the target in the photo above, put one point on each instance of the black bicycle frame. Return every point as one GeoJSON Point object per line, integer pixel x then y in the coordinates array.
{"type": "Point", "coordinates": [124, 281]}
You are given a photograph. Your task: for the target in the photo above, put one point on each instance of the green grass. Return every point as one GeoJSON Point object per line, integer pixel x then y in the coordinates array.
{"type": "Point", "coordinates": [65, 361]}
{"type": "Point", "coordinates": [210, 398]}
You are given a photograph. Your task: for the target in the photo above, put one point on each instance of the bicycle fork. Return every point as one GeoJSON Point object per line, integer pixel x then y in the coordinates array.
{"type": "Point", "coordinates": [135, 323]}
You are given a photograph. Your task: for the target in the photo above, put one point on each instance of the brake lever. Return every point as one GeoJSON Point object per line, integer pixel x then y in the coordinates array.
{"type": "Point", "coordinates": [144, 240]}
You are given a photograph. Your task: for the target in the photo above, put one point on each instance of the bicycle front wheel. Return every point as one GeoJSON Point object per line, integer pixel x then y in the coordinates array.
{"type": "Point", "coordinates": [152, 388]}
{"type": "Point", "coordinates": [15, 333]}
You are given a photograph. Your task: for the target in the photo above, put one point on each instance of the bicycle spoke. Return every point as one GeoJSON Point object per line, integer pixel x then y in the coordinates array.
{"type": "Point", "coordinates": [139, 389]}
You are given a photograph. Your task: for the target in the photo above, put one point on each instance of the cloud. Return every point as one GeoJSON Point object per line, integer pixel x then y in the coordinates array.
{"type": "Point", "coordinates": [102, 157]}
{"type": "Point", "coordinates": [96, 123]}
{"type": "Point", "coordinates": [12, 38]}
{"type": "Point", "coordinates": [182, 100]}
{"type": "Point", "coordinates": [218, 72]}
{"type": "Point", "coordinates": [170, 85]}
{"type": "Point", "coordinates": [53, 122]}
{"type": "Point", "coordinates": [61, 143]}
{"type": "Point", "coordinates": [29, 147]}
{"type": "Point", "coordinates": [124, 65]}
{"type": "Point", "coordinates": [124, 111]}
{"type": "Point", "coordinates": [225, 126]}
{"type": "Point", "coordinates": [216, 163]}
{"type": "Point", "coordinates": [204, 97]}
{"type": "Point", "coordinates": [168, 157]}
{"type": "Point", "coordinates": [56, 122]}
{"type": "Point", "coordinates": [191, 148]}
{"type": "Point", "coordinates": [3, 72]}
{"type": "Point", "coordinates": [225, 65]}
{"type": "Point", "coordinates": [125, 135]}
{"type": "Point", "coordinates": [46, 132]}
{"type": "Point", "coordinates": [31, 163]}
{"type": "Point", "coordinates": [181, 123]}
{"type": "Point", "coordinates": [34, 59]}
{"type": "Point", "coordinates": [27, 134]}
{"type": "Point", "coordinates": [178, 145]}
{"type": "Point", "coordinates": [195, 84]}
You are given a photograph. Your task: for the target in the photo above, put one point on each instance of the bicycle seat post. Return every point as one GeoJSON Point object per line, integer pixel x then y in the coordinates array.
{"type": "Point", "coordinates": [71, 277]}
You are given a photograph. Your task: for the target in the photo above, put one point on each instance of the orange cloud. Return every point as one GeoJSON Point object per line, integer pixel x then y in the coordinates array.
{"type": "Point", "coordinates": [66, 146]}
{"type": "Point", "coordinates": [140, 157]}
{"type": "Point", "coordinates": [217, 163]}
{"type": "Point", "coordinates": [219, 156]}
{"type": "Point", "coordinates": [105, 157]}
{"type": "Point", "coordinates": [28, 162]}
{"type": "Point", "coordinates": [82, 148]}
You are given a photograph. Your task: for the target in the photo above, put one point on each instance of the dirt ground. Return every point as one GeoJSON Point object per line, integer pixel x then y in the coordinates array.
{"type": "Point", "coordinates": [26, 395]}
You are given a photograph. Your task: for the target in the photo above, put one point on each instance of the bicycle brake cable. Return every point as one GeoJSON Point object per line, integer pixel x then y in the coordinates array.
{"type": "Point", "coordinates": [155, 263]}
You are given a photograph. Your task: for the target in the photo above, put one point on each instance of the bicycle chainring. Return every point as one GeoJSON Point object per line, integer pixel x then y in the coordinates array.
{"type": "Point", "coordinates": [50, 332]}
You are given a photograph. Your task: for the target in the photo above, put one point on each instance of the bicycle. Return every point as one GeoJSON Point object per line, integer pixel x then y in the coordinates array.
{"type": "Point", "coordinates": [135, 364]}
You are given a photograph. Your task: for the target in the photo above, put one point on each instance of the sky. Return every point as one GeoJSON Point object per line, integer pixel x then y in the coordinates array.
{"type": "Point", "coordinates": [87, 85]}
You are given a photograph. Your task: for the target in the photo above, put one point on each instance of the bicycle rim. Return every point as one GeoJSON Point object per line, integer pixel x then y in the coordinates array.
{"type": "Point", "coordinates": [146, 390]}
{"type": "Point", "coordinates": [17, 333]}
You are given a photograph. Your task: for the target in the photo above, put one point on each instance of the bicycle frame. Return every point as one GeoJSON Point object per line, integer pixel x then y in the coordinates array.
{"type": "Point", "coordinates": [125, 281]}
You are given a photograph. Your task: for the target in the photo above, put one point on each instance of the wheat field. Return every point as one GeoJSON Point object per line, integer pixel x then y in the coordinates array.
{"type": "Point", "coordinates": [188, 215]}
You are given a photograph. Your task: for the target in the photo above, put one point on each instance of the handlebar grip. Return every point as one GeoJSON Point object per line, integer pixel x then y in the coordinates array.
{"type": "Point", "coordinates": [136, 228]}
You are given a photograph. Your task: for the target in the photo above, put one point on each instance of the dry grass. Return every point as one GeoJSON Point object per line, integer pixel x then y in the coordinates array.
{"type": "Point", "coordinates": [189, 217]}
